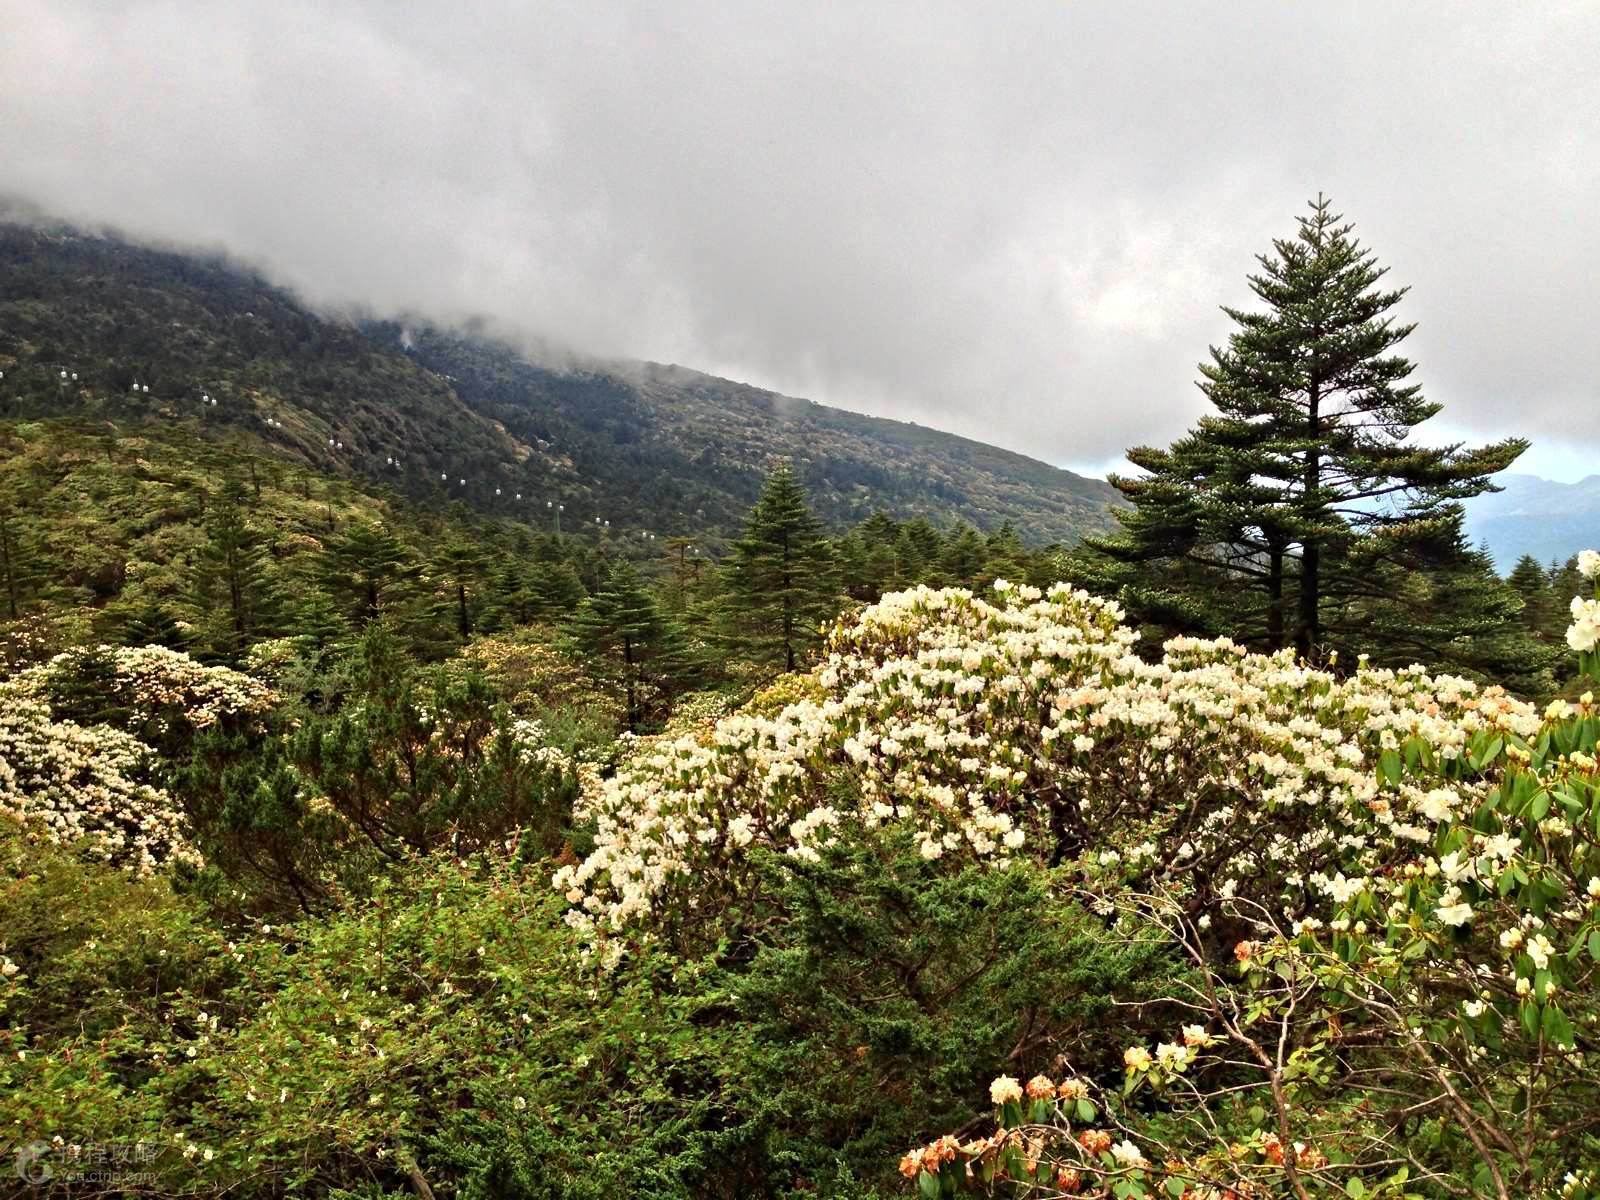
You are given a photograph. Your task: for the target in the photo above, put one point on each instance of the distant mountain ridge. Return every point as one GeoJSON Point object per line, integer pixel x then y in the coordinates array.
{"type": "Point", "coordinates": [447, 414]}
{"type": "Point", "coordinates": [1551, 521]}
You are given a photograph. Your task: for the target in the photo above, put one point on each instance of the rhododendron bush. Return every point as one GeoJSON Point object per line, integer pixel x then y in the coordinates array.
{"type": "Point", "coordinates": [1429, 1029]}
{"type": "Point", "coordinates": [1028, 725]}
{"type": "Point", "coordinates": [1386, 883]}
{"type": "Point", "coordinates": [86, 786]}
{"type": "Point", "coordinates": [91, 784]}
{"type": "Point", "coordinates": [163, 695]}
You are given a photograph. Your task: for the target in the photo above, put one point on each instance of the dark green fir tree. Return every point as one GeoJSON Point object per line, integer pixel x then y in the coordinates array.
{"type": "Point", "coordinates": [778, 578]}
{"type": "Point", "coordinates": [631, 647]}
{"type": "Point", "coordinates": [235, 589]}
{"type": "Point", "coordinates": [1282, 509]}
{"type": "Point", "coordinates": [367, 570]}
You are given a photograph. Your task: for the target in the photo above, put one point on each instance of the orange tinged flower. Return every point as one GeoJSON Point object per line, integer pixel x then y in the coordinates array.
{"type": "Point", "coordinates": [1244, 951]}
{"type": "Point", "coordinates": [1309, 1157]}
{"type": "Point", "coordinates": [936, 1154]}
{"type": "Point", "coordinates": [1040, 1087]}
{"type": "Point", "coordinates": [1094, 1141]}
{"type": "Point", "coordinates": [1073, 1089]}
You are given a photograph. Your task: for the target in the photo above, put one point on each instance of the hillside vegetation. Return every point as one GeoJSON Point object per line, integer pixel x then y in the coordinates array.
{"type": "Point", "coordinates": [643, 446]}
{"type": "Point", "coordinates": [360, 838]}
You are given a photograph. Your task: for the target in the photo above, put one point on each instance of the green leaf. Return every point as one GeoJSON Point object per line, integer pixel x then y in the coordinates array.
{"type": "Point", "coordinates": [1389, 767]}
{"type": "Point", "coordinates": [1557, 1029]}
{"type": "Point", "coordinates": [928, 1185]}
{"type": "Point", "coordinates": [1594, 944]}
{"type": "Point", "coordinates": [1086, 1110]}
{"type": "Point", "coordinates": [1355, 1189]}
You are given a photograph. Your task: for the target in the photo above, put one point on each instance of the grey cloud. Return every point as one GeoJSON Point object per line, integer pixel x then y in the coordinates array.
{"type": "Point", "coordinates": [1012, 221]}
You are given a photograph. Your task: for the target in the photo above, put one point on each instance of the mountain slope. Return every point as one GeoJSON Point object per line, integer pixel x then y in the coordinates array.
{"type": "Point", "coordinates": [1549, 520]}
{"type": "Point", "coordinates": [640, 445]}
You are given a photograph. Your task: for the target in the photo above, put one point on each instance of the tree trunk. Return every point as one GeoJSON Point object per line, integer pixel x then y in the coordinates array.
{"type": "Point", "coordinates": [1275, 596]}
{"type": "Point", "coordinates": [7, 560]}
{"type": "Point", "coordinates": [627, 672]}
{"type": "Point", "coordinates": [462, 619]}
{"type": "Point", "coordinates": [1308, 633]}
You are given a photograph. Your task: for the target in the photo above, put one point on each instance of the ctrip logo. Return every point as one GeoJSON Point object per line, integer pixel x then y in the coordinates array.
{"type": "Point", "coordinates": [31, 1166]}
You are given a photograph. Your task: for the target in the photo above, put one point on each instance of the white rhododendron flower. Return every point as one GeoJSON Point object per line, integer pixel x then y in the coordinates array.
{"type": "Point", "coordinates": [1127, 1154]}
{"type": "Point", "coordinates": [1004, 1090]}
{"type": "Point", "coordinates": [89, 786]}
{"type": "Point", "coordinates": [1584, 633]}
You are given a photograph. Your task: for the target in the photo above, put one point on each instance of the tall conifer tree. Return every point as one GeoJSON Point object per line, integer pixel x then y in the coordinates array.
{"type": "Point", "coordinates": [1305, 478]}
{"type": "Point", "coordinates": [233, 580]}
{"type": "Point", "coordinates": [779, 577]}
{"type": "Point", "coordinates": [367, 569]}
{"type": "Point", "coordinates": [630, 644]}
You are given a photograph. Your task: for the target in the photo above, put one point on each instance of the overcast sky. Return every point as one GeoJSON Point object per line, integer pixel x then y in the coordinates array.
{"type": "Point", "coordinates": [1013, 220]}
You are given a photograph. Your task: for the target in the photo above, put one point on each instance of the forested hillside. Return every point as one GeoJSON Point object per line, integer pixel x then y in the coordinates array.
{"type": "Point", "coordinates": [145, 335]}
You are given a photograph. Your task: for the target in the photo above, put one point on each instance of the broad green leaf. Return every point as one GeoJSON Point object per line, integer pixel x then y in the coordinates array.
{"type": "Point", "coordinates": [1389, 767]}
{"type": "Point", "coordinates": [1557, 1029]}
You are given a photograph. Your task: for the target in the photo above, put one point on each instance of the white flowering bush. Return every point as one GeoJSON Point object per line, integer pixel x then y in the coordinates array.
{"type": "Point", "coordinates": [1584, 633]}
{"type": "Point", "coordinates": [277, 660]}
{"type": "Point", "coordinates": [1429, 1029]}
{"type": "Point", "coordinates": [163, 695]}
{"type": "Point", "coordinates": [85, 786]}
{"type": "Point", "coordinates": [79, 739]}
{"type": "Point", "coordinates": [1028, 725]}
{"type": "Point", "coordinates": [1382, 879]}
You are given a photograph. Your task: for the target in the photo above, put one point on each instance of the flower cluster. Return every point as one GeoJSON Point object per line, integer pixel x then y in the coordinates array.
{"type": "Point", "coordinates": [1050, 1140]}
{"type": "Point", "coordinates": [1584, 633]}
{"type": "Point", "coordinates": [163, 688]}
{"type": "Point", "coordinates": [1028, 725]}
{"type": "Point", "coordinates": [533, 748]}
{"type": "Point", "coordinates": [273, 658]}
{"type": "Point", "coordinates": [88, 784]}
{"type": "Point", "coordinates": [84, 785]}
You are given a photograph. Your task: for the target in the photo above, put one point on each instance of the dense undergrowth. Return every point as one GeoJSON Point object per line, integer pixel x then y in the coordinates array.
{"type": "Point", "coordinates": [1247, 928]}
